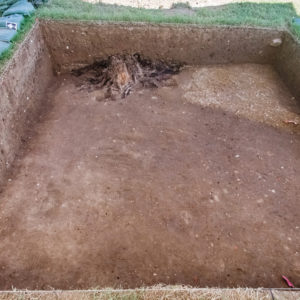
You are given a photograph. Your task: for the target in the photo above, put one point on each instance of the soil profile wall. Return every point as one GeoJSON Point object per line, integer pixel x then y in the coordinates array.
{"type": "Point", "coordinates": [288, 64]}
{"type": "Point", "coordinates": [22, 86]}
{"type": "Point", "coordinates": [74, 45]}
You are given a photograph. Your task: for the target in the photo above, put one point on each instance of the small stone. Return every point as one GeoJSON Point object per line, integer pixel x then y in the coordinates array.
{"type": "Point", "coordinates": [216, 198]}
{"type": "Point", "coordinates": [171, 82]}
{"type": "Point", "coordinates": [276, 42]}
{"type": "Point", "coordinates": [98, 95]}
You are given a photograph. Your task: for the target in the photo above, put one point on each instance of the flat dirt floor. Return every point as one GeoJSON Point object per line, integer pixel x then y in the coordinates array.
{"type": "Point", "coordinates": [153, 189]}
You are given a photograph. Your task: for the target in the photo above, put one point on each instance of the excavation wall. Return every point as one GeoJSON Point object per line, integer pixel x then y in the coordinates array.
{"type": "Point", "coordinates": [22, 86]}
{"type": "Point", "coordinates": [65, 45]}
{"type": "Point", "coordinates": [288, 63]}
{"type": "Point", "coordinates": [74, 45]}
{"type": "Point", "coordinates": [180, 184]}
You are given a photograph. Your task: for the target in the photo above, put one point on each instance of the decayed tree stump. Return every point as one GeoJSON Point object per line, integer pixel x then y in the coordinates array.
{"type": "Point", "coordinates": [119, 75]}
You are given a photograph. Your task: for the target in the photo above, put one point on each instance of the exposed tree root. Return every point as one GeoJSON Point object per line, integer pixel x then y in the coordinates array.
{"type": "Point", "coordinates": [119, 75]}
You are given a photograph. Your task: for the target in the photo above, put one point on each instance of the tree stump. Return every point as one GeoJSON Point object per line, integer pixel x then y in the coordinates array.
{"type": "Point", "coordinates": [119, 75]}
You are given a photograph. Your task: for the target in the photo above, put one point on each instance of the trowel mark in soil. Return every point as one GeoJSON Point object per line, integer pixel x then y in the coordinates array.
{"type": "Point", "coordinates": [119, 75]}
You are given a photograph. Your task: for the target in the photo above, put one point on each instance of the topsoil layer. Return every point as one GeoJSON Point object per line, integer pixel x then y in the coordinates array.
{"type": "Point", "coordinates": [151, 189]}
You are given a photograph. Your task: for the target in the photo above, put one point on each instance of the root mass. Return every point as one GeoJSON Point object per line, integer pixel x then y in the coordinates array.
{"type": "Point", "coordinates": [119, 75]}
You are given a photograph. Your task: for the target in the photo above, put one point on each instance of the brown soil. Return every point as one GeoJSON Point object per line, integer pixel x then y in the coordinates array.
{"type": "Point", "coordinates": [150, 190]}
{"type": "Point", "coordinates": [23, 82]}
{"type": "Point", "coordinates": [77, 44]}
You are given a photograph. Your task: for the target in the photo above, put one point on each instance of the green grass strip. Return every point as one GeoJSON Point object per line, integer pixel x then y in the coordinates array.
{"type": "Point", "coordinates": [248, 14]}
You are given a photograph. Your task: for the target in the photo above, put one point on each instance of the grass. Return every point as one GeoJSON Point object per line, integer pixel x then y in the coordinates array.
{"type": "Point", "coordinates": [26, 26]}
{"type": "Point", "coordinates": [248, 14]}
{"type": "Point", "coordinates": [181, 5]}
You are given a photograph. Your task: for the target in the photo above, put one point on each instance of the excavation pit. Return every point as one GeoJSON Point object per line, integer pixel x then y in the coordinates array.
{"type": "Point", "coordinates": [192, 183]}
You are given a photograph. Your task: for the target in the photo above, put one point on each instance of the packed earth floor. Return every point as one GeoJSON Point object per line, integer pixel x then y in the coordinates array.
{"type": "Point", "coordinates": [169, 185]}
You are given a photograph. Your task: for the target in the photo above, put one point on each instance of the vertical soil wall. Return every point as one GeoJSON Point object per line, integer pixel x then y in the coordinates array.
{"type": "Point", "coordinates": [22, 86]}
{"type": "Point", "coordinates": [288, 64]}
{"type": "Point", "coordinates": [73, 45]}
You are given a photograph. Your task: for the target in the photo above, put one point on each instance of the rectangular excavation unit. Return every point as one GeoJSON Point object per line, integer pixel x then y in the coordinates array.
{"type": "Point", "coordinates": [137, 154]}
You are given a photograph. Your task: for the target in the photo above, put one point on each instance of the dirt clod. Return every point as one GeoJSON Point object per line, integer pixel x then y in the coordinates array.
{"type": "Point", "coordinates": [119, 75]}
